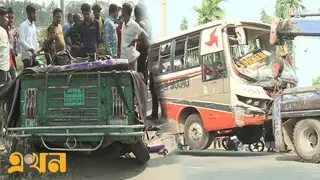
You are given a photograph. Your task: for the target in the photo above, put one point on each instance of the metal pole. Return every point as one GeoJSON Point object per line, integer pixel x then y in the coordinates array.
{"type": "Point", "coordinates": [163, 17]}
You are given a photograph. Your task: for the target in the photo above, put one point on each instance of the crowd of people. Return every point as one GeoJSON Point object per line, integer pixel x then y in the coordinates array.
{"type": "Point", "coordinates": [83, 35]}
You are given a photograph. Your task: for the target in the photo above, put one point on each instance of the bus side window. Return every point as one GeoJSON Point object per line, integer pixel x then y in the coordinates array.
{"type": "Point", "coordinates": [214, 66]}
{"type": "Point", "coordinates": [192, 59]}
{"type": "Point", "coordinates": [178, 63]}
{"type": "Point", "coordinates": [153, 59]}
{"type": "Point", "coordinates": [165, 63]}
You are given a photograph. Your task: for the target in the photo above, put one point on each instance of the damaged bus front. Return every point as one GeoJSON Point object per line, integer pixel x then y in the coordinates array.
{"type": "Point", "coordinates": [220, 76]}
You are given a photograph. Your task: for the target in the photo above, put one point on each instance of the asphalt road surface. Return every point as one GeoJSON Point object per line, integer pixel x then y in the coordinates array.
{"type": "Point", "coordinates": [224, 165]}
{"type": "Point", "coordinates": [187, 165]}
{"type": "Point", "coordinates": [193, 165]}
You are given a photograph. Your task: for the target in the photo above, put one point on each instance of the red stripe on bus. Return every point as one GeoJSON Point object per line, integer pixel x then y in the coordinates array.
{"type": "Point", "coordinates": [212, 119]}
{"type": "Point", "coordinates": [180, 76]}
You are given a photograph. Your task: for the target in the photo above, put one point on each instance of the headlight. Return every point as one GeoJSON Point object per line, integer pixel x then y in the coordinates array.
{"type": "Point", "coordinates": [256, 103]}
{"type": "Point", "coordinates": [248, 101]}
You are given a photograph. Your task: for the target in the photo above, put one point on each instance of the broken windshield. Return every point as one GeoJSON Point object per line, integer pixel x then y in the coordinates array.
{"type": "Point", "coordinates": [255, 61]}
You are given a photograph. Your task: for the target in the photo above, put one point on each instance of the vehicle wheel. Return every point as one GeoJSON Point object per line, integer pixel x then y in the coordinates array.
{"type": "Point", "coordinates": [306, 138]}
{"type": "Point", "coordinates": [249, 134]}
{"type": "Point", "coordinates": [256, 147]}
{"type": "Point", "coordinates": [196, 137]}
{"type": "Point", "coordinates": [25, 147]}
{"type": "Point", "coordinates": [141, 152]}
{"type": "Point", "coordinates": [225, 143]}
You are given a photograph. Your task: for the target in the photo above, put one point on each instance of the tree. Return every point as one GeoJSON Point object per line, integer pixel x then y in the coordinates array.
{"type": "Point", "coordinates": [209, 11]}
{"type": "Point", "coordinates": [316, 81]}
{"type": "Point", "coordinates": [283, 9]}
{"type": "Point", "coordinates": [184, 24]}
{"type": "Point", "coordinates": [264, 17]}
{"type": "Point", "coordinates": [105, 8]}
{"type": "Point", "coordinates": [43, 11]}
{"type": "Point", "coordinates": [74, 7]}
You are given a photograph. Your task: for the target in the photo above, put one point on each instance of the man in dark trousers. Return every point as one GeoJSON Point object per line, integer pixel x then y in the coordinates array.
{"type": "Point", "coordinates": [97, 15]}
{"type": "Point", "coordinates": [141, 19]}
{"type": "Point", "coordinates": [89, 32]}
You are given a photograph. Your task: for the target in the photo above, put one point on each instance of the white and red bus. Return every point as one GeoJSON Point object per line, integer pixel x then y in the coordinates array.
{"type": "Point", "coordinates": [219, 76]}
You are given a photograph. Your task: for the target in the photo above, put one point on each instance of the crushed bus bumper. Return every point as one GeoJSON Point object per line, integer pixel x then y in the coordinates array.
{"type": "Point", "coordinates": [245, 114]}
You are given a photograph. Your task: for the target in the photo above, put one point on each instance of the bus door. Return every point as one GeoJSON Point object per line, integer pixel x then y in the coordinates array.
{"type": "Point", "coordinates": [216, 84]}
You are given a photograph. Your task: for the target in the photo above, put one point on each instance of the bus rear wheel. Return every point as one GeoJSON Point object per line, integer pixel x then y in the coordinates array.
{"type": "Point", "coordinates": [196, 136]}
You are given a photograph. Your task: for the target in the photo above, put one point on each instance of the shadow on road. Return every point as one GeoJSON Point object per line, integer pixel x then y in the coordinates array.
{"type": "Point", "coordinates": [288, 157]}
{"type": "Point", "coordinates": [223, 153]}
{"type": "Point", "coordinates": [163, 161]}
{"type": "Point", "coordinates": [97, 166]}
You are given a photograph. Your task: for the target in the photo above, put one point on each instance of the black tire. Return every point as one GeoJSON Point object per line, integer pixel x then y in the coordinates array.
{"type": "Point", "coordinates": [306, 138]}
{"type": "Point", "coordinates": [225, 143]}
{"type": "Point", "coordinates": [24, 147]}
{"type": "Point", "coordinates": [205, 139]}
{"type": "Point", "coordinates": [141, 152]}
{"type": "Point", "coordinates": [249, 134]}
{"type": "Point", "coordinates": [256, 146]}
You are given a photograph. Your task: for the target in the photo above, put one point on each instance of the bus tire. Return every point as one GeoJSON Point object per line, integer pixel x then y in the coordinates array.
{"type": "Point", "coordinates": [196, 136]}
{"type": "Point", "coordinates": [306, 138]}
{"type": "Point", "coordinates": [140, 151]}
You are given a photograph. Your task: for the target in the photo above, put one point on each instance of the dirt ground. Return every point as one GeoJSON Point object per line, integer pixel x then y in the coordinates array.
{"type": "Point", "coordinates": [102, 164]}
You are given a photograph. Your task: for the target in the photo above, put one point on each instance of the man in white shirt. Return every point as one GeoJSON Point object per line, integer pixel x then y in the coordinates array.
{"type": "Point", "coordinates": [28, 38]}
{"type": "Point", "coordinates": [131, 33]}
{"type": "Point", "coordinates": [4, 47]}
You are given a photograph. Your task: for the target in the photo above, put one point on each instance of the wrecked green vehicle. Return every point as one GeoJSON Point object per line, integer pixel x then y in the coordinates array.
{"type": "Point", "coordinates": [78, 107]}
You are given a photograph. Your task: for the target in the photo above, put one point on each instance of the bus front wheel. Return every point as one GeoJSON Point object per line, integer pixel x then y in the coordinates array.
{"type": "Point", "coordinates": [196, 136]}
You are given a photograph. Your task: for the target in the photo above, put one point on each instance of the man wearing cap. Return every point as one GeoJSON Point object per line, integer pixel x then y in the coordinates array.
{"type": "Point", "coordinates": [4, 47]}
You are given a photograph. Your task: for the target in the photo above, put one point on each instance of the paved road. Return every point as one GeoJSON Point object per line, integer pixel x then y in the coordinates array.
{"type": "Point", "coordinates": [189, 165]}
{"type": "Point", "coordinates": [213, 165]}
{"type": "Point", "coordinates": [223, 165]}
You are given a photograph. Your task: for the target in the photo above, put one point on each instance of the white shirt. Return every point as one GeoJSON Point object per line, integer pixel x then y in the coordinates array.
{"type": "Point", "coordinates": [130, 31]}
{"type": "Point", "coordinates": [4, 50]}
{"type": "Point", "coordinates": [28, 39]}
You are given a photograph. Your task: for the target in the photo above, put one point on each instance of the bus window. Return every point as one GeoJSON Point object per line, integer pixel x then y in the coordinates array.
{"type": "Point", "coordinates": [179, 57]}
{"type": "Point", "coordinates": [192, 59]}
{"type": "Point", "coordinates": [154, 58]}
{"type": "Point", "coordinates": [214, 66]}
{"type": "Point", "coordinates": [165, 63]}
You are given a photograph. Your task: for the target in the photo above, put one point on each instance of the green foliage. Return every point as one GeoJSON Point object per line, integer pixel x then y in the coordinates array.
{"type": "Point", "coordinates": [316, 81]}
{"type": "Point", "coordinates": [184, 24]}
{"type": "Point", "coordinates": [209, 11]}
{"type": "Point", "coordinates": [44, 12]}
{"type": "Point", "coordinates": [264, 17]}
{"type": "Point", "coordinates": [283, 8]}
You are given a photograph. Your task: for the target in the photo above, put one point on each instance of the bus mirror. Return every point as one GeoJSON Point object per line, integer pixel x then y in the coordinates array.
{"type": "Point", "coordinates": [241, 35]}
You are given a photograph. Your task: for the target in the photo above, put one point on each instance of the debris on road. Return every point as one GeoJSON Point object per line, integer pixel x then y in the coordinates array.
{"type": "Point", "coordinates": [155, 145]}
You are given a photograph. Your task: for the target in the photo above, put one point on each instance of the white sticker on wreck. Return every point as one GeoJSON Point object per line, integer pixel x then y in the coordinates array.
{"type": "Point", "coordinates": [31, 122]}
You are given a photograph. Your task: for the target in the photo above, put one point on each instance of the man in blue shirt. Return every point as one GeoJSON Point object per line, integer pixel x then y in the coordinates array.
{"type": "Point", "coordinates": [110, 35]}
{"type": "Point", "coordinates": [89, 32]}
{"type": "Point", "coordinates": [66, 28]}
